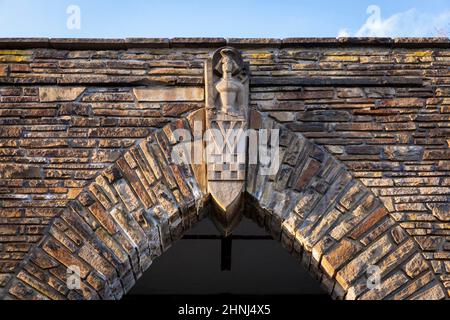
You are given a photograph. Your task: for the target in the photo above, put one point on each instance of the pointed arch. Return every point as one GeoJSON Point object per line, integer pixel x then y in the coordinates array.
{"type": "Point", "coordinates": [334, 225]}
{"type": "Point", "coordinates": [132, 212]}
{"type": "Point", "coordinates": [110, 234]}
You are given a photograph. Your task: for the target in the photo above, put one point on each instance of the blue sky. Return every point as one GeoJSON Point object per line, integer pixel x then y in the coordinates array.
{"type": "Point", "coordinates": [231, 18]}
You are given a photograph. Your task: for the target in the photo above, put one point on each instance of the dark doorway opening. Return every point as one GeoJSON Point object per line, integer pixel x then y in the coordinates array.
{"type": "Point", "coordinates": [249, 262]}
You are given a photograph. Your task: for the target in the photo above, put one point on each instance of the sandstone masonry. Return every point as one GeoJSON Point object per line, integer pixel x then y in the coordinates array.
{"type": "Point", "coordinates": [87, 178]}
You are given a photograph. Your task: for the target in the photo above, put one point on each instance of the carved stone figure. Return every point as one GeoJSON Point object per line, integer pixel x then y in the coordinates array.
{"type": "Point", "coordinates": [226, 125]}
{"type": "Point", "coordinates": [229, 88]}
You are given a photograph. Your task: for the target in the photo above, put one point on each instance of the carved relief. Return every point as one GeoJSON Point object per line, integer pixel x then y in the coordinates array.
{"type": "Point", "coordinates": [226, 114]}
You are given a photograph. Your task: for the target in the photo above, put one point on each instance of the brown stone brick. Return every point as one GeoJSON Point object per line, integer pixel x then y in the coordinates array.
{"type": "Point", "coordinates": [434, 293]}
{"type": "Point", "coordinates": [113, 245]}
{"type": "Point", "coordinates": [161, 157]}
{"type": "Point", "coordinates": [57, 251]}
{"type": "Point", "coordinates": [402, 102]}
{"type": "Point", "coordinates": [352, 197]}
{"type": "Point", "coordinates": [98, 263]}
{"type": "Point", "coordinates": [369, 222]}
{"type": "Point", "coordinates": [62, 238]}
{"type": "Point", "coordinates": [42, 259]}
{"type": "Point", "coordinates": [169, 94]}
{"type": "Point", "coordinates": [359, 264]}
{"type": "Point", "coordinates": [400, 126]}
{"type": "Point", "coordinates": [436, 154]}
{"type": "Point", "coordinates": [99, 195]}
{"type": "Point", "coordinates": [19, 68]}
{"type": "Point", "coordinates": [126, 195]}
{"type": "Point", "coordinates": [387, 286]}
{"type": "Point", "coordinates": [369, 149]}
{"type": "Point", "coordinates": [182, 185]}
{"type": "Point", "coordinates": [22, 291]}
{"type": "Point", "coordinates": [106, 189]}
{"type": "Point", "coordinates": [415, 266]}
{"type": "Point", "coordinates": [304, 95]}
{"type": "Point", "coordinates": [396, 257]}
{"type": "Point", "coordinates": [177, 109]}
{"type": "Point", "coordinates": [359, 126]}
{"type": "Point", "coordinates": [134, 181]}
{"type": "Point", "coordinates": [150, 158]}
{"type": "Point", "coordinates": [10, 132]}
{"type": "Point", "coordinates": [350, 93]}
{"type": "Point", "coordinates": [103, 217]}
{"type": "Point", "coordinates": [339, 256]}
{"type": "Point", "coordinates": [144, 168]}
{"type": "Point", "coordinates": [43, 143]}
{"type": "Point", "coordinates": [165, 198]}
{"type": "Point", "coordinates": [112, 174]}
{"type": "Point", "coordinates": [3, 70]}
{"type": "Point", "coordinates": [403, 153]}
{"type": "Point", "coordinates": [69, 109]}
{"type": "Point", "coordinates": [40, 286]}
{"type": "Point", "coordinates": [130, 227]}
{"type": "Point", "coordinates": [398, 234]}
{"type": "Point", "coordinates": [51, 94]}
{"type": "Point", "coordinates": [413, 287]}
{"type": "Point", "coordinates": [307, 173]}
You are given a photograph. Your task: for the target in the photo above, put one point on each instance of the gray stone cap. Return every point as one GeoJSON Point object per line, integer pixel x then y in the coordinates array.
{"type": "Point", "coordinates": [119, 44]}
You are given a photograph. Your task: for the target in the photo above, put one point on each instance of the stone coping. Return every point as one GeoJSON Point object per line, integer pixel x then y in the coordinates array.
{"type": "Point", "coordinates": [118, 44]}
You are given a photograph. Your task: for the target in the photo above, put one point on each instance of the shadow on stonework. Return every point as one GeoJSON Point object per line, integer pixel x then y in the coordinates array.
{"type": "Point", "coordinates": [246, 262]}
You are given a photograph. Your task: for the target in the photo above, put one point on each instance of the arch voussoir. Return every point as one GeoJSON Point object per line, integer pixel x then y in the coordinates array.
{"type": "Point", "coordinates": [334, 225]}
{"type": "Point", "coordinates": [110, 234]}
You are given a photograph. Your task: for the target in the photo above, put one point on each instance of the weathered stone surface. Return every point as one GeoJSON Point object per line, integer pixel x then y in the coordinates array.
{"type": "Point", "coordinates": [433, 293]}
{"type": "Point", "coordinates": [169, 94]}
{"type": "Point", "coordinates": [371, 220]}
{"type": "Point", "coordinates": [21, 291]}
{"type": "Point", "coordinates": [361, 262]}
{"type": "Point", "coordinates": [332, 261]}
{"type": "Point", "coordinates": [67, 115]}
{"type": "Point", "coordinates": [415, 266]}
{"type": "Point", "coordinates": [3, 70]}
{"type": "Point", "coordinates": [103, 217]}
{"type": "Point", "coordinates": [404, 153]}
{"type": "Point", "coordinates": [442, 211]}
{"type": "Point", "coordinates": [39, 286]}
{"type": "Point", "coordinates": [352, 196]}
{"type": "Point", "coordinates": [57, 251]}
{"type": "Point", "coordinates": [130, 227]}
{"type": "Point", "coordinates": [97, 262]}
{"type": "Point", "coordinates": [308, 172]}
{"type": "Point", "coordinates": [52, 94]}
{"type": "Point", "coordinates": [413, 287]}
{"type": "Point", "coordinates": [386, 287]}
{"type": "Point", "coordinates": [126, 194]}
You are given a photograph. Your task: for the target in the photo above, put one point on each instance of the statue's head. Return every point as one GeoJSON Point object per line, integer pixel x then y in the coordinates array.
{"type": "Point", "coordinates": [228, 63]}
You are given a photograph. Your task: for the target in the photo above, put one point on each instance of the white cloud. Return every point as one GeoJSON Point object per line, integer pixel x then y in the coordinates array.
{"type": "Point", "coordinates": [343, 33]}
{"type": "Point", "coordinates": [410, 23]}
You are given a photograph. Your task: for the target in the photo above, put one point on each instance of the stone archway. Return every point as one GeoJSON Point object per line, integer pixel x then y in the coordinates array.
{"type": "Point", "coordinates": [133, 210]}
{"type": "Point", "coordinates": [111, 233]}
{"type": "Point", "coordinates": [334, 225]}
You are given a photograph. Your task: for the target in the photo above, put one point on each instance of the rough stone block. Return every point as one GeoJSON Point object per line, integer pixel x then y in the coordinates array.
{"type": "Point", "coordinates": [162, 94]}
{"type": "Point", "coordinates": [57, 251]}
{"type": "Point", "coordinates": [415, 266]}
{"type": "Point", "coordinates": [404, 153]}
{"type": "Point", "coordinates": [53, 94]}
{"type": "Point", "coordinates": [360, 263]}
{"type": "Point", "coordinates": [336, 258]}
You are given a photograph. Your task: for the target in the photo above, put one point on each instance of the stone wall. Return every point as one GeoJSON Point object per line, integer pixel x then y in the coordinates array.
{"type": "Point", "coordinates": [379, 107]}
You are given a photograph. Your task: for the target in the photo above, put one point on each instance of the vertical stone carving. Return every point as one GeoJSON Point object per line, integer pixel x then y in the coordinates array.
{"type": "Point", "coordinates": [227, 94]}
